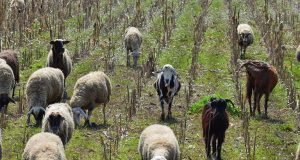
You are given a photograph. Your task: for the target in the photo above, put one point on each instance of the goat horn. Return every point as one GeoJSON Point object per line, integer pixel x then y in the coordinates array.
{"type": "Point", "coordinates": [229, 101]}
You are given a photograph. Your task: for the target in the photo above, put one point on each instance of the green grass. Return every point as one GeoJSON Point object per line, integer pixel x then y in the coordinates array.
{"type": "Point", "coordinates": [276, 138]}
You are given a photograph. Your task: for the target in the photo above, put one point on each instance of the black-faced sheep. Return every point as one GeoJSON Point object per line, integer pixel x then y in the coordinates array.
{"type": "Point", "coordinates": [11, 59]}
{"type": "Point", "coordinates": [58, 57]}
{"type": "Point", "coordinates": [133, 40]}
{"type": "Point", "coordinates": [214, 124]}
{"type": "Point", "coordinates": [44, 146]}
{"type": "Point", "coordinates": [167, 86]}
{"type": "Point", "coordinates": [59, 120]}
{"type": "Point", "coordinates": [261, 79]}
{"type": "Point", "coordinates": [45, 86]}
{"type": "Point", "coordinates": [246, 38]}
{"type": "Point", "coordinates": [298, 54]}
{"type": "Point", "coordinates": [158, 142]}
{"type": "Point", "coordinates": [89, 90]}
{"type": "Point", "coordinates": [7, 83]}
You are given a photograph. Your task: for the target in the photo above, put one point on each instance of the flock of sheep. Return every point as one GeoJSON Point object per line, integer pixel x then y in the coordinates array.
{"type": "Point", "coordinates": [45, 94]}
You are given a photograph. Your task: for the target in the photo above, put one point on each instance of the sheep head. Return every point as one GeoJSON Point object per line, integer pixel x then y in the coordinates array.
{"type": "Point", "coordinates": [38, 112]}
{"type": "Point", "coordinates": [54, 122]}
{"type": "Point", "coordinates": [4, 101]}
{"type": "Point", "coordinates": [77, 111]}
{"type": "Point", "coordinates": [168, 72]}
{"type": "Point", "coordinates": [135, 55]}
{"type": "Point", "coordinates": [58, 46]}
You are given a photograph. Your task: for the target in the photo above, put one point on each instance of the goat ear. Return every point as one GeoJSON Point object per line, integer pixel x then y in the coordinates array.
{"type": "Point", "coordinates": [66, 41]}
{"type": "Point", "coordinates": [52, 42]}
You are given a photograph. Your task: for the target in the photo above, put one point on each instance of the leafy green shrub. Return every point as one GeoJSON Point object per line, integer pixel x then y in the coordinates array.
{"type": "Point", "coordinates": [197, 107]}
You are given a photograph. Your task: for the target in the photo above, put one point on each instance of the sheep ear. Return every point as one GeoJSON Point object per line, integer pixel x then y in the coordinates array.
{"type": "Point", "coordinates": [66, 42]}
{"type": "Point", "coordinates": [52, 42]}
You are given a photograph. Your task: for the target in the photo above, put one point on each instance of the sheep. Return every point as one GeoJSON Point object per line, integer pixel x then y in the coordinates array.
{"type": "Point", "coordinates": [298, 54]}
{"type": "Point", "coordinates": [246, 38]}
{"type": "Point", "coordinates": [11, 59]}
{"type": "Point", "coordinates": [7, 83]}
{"type": "Point", "coordinates": [58, 57]}
{"type": "Point", "coordinates": [297, 153]}
{"type": "Point", "coordinates": [89, 90]}
{"type": "Point", "coordinates": [261, 79]}
{"type": "Point", "coordinates": [133, 40]}
{"type": "Point", "coordinates": [167, 86]}
{"type": "Point", "coordinates": [18, 4]}
{"type": "Point", "coordinates": [45, 86]}
{"type": "Point", "coordinates": [44, 146]}
{"type": "Point", "coordinates": [158, 142]}
{"type": "Point", "coordinates": [59, 120]}
{"type": "Point", "coordinates": [214, 124]}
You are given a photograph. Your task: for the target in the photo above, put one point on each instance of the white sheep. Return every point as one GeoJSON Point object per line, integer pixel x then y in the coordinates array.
{"type": "Point", "coordinates": [59, 120]}
{"type": "Point", "coordinates": [7, 83]}
{"type": "Point", "coordinates": [44, 146]}
{"type": "Point", "coordinates": [45, 86]}
{"type": "Point", "coordinates": [89, 90]}
{"type": "Point", "coordinates": [246, 38]}
{"type": "Point", "coordinates": [133, 40]}
{"type": "Point", "coordinates": [158, 142]}
{"type": "Point", "coordinates": [58, 57]}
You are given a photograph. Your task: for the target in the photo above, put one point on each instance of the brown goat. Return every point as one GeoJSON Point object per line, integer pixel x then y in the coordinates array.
{"type": "Point", "coordinates": [214, 124]}
{"type": "Point", "coordinates": [11, 59]}
{"type": "Point", "coordinates": [261, 79]}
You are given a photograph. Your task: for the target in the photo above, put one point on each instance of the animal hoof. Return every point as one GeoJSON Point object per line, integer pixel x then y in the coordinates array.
{"type": "Point", "coordinates": [169, 116]}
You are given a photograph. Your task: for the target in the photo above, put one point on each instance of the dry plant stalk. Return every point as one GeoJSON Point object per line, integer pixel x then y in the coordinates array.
{"type": "Point", "coordinates": [199, 31]}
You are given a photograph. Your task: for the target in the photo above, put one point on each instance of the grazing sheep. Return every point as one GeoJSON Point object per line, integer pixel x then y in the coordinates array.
{"type": "Point", "coordinates": [44, 146]}
{"type": "Point", "coordinates": [18, 4]}
{"type": "Point", "coordinates": [45, 86]}
{"type": "Point", "coordinates": [133, 40]}
{"type": "Point", "coordinates": [11, 59]}
{"type": "Point", "coordinates": [7, 83]}
{"type": "Point", "coordinates": [297, 153]}
{"type": "Point", "coordinates": [261, 79]}
{"type": "Point", "coordinates": [58, 57]}
{"type": "Point", "coordinates": [214, 124]}
{"type": "Point", "coordinates": [167, 86]}
{"type": "Point", "coordinates": [91, 89]}
{"type": "Point", "coordinates": [59, 120]}
{"type": "Point", "coordinates": [158, 142]}
{"type": "Point", "coordinates": [298, 53]}
{"type": "Point", "coordinates": [246, 38]}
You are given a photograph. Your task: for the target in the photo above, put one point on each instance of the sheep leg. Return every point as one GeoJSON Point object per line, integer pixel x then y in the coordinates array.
{"type": "Point", "coordinates": [104, 117]}
{"type": "Point", "coordinates": [87, 121]}
{"type": "Point", "coordinates": [162, 116]}
{"type": "Point", "coordinates": [266, 104]}
{"type": "Point", "coordinates": [127, 58]}
{"type": "Point", "coordinates": [169, 116]}
{"type": "Point", "coordinates": [219, 147]}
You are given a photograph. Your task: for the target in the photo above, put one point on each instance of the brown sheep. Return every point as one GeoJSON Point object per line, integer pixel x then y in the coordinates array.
{"type": "Point", "coordinates": [11, 59]}
{"type": "Point", "coordinates": [261, 79]}
{"type": "Point", "coordinates": [214, 124]}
